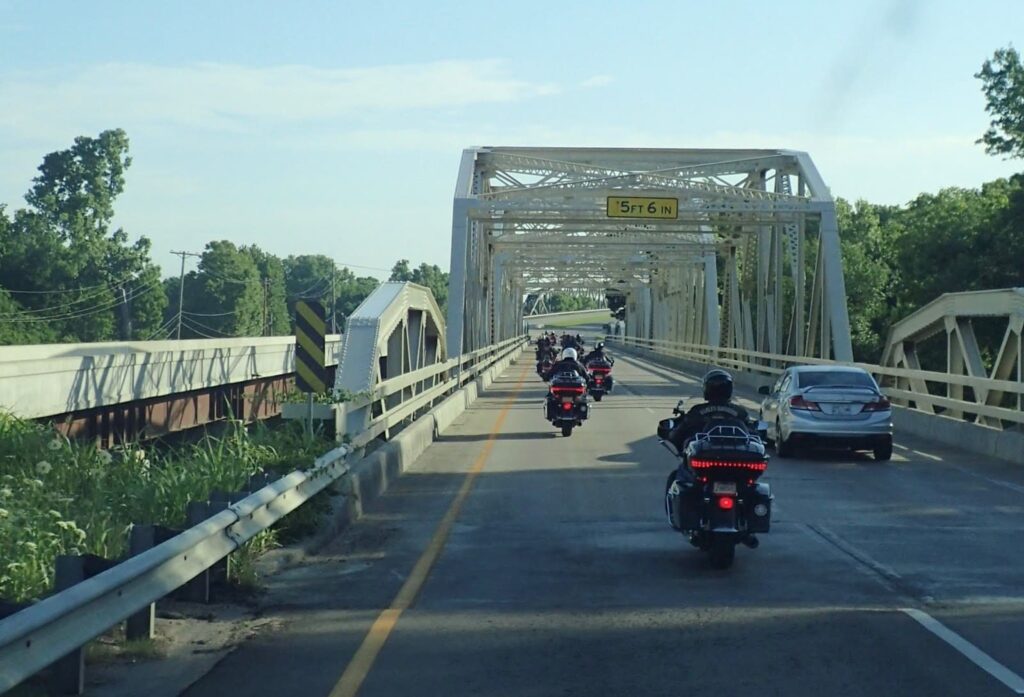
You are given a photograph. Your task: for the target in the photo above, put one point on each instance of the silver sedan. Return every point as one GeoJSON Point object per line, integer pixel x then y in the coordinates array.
{"type": "Point", "coordinates": [828, 406]}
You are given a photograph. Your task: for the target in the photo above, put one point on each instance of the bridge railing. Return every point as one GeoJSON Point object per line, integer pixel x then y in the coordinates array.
{"type": "Point", "coordinates": [905, 387]}
{"type": "Point", "coordinates": [443, 377]}
{"type": "Point", "coordinates": [57, 627]}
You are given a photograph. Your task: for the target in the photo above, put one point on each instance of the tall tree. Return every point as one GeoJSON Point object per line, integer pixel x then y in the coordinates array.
{"type": "Point", "coordinates": [273, 291]}
{"type": "Point", "coordinates": [401, 271]}
{"type": "Point", "coordinates": [1002, 78]}
{"type": "Point", "coordinates": [224, 296]}
{"type": "Point", "coordinates": [63, 264]}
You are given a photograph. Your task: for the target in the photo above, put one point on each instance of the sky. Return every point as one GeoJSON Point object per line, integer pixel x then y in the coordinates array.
{"type": "Point", "coordinates": [337, 127]}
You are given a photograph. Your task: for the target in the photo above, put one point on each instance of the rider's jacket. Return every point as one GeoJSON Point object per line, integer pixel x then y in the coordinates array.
{"type": "Point", "coordinates": [568, 365]}
{"type": "Point", "coordinates": [700, 416]}
{"type": "Point", "coordinates": [596, 354]}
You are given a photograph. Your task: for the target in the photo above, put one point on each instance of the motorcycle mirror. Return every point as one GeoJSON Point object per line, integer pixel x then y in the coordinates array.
{"type": "Point", "coordinates": [665, 427]}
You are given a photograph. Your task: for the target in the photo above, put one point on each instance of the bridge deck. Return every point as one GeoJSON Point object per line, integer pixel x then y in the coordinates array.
{"type": "Point", "coordinates": [560, 575]}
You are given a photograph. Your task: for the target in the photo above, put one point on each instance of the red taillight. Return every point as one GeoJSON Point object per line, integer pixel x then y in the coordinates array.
{"type": "Point", "coordinates": [882, 404]}
{"type": "Point", "coordinates": [598, 380]}
{"type": "Point", "coordinates": [755, 465]}
{"type": "Point", "coordinates": [798, 402]}
{"type": "Point", "coordinates": [567, 406]}
{"type": "Point", "coordinates": [726, 503]}
{"type": "Point", "coordinates": [561, 391]}
{"type": "Point", "coordinates": [602, 371]}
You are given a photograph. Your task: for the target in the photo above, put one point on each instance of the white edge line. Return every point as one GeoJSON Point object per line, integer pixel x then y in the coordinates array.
{"type": "Point", "coordinates": [975, 655]}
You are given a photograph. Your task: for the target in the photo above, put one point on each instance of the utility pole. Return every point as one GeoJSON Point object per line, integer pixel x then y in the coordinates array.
{"type": "Point", "coordinates": [126, 315]}
{"type": "Point", "coordinates": [334, 301]}
{"type": "Point", "coordinates": [266, 294]}
{"type": "Point", "coordinates": [181, 286]}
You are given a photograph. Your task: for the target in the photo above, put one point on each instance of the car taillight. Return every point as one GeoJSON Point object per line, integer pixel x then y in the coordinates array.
{"type": "Point", "coordinates": [882, 404]}
{"type": "Point", "coordinates": [726, 503]}
{"type": "Point", "coordinates": [798, 402]}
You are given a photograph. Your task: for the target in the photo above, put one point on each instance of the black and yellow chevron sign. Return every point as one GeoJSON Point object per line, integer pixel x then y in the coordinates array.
{"type": "Point", "coordinates": [310, 328]}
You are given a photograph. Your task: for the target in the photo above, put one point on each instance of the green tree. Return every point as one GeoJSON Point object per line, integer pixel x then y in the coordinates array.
{"type": "Point", "coordinates": [867, 254]}
{"type": "Point", "coordinates": [224, 296]}
{"type": "Point", "coordinates": [400, 271]}
{"type": "Point", "coordinates": [274, 293]}
{"type": "Point", "coordinates": [1002, 78]}
{"type": "Point", "coordinates": [64, 266]}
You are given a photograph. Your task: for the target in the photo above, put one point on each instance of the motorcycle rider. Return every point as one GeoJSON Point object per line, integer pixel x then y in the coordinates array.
{"type": "Point", "coordinates": [598, 354]}
{"type": "Point", "coordinates": [569, 363]}
{"type": "Point", "coordinates": [717, 385]}
{"type": "Point", "coordinates": [717, 405]}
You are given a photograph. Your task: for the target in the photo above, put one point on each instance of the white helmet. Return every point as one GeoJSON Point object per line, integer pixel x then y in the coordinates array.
{"type": "Point", "coordinates": [569, 353]}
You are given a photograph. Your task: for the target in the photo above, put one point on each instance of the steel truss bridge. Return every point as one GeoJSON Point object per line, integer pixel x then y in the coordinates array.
{"type": "Point", "coordinates": [750, 259]}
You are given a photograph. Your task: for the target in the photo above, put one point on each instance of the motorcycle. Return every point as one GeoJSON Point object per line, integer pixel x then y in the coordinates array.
{"type": "Point", "coordinates": [601, 381]}
{"type": "Point", "coordinates": [544, 368]}
{"type": "Point", "coordinates": [566, 404]}
{"type": "Point", "coordinates": [715, 498]}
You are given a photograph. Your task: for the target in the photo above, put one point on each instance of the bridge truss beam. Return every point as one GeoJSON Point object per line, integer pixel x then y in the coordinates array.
{"type": "Point", "coordinates": [750, 261]}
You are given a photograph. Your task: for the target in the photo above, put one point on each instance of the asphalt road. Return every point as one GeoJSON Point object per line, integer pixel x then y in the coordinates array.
{"type": "Point", "coordinates": [560, 576]}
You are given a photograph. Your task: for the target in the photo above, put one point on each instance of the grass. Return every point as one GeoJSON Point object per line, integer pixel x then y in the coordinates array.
{"type": "Point", "coordinates": [64, 497]}
{"type": "Point", "coordinates": [596, 317]}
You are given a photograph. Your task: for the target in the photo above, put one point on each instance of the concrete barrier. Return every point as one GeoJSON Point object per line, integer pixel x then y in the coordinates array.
{"type": "Point", "coordinates": [975, 438]}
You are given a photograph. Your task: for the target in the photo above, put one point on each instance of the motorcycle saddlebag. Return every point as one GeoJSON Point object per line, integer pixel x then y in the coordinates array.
{"type": "Point", "coordinates": [682, 506]}
{"type": "Point", "coordinates": [759, 508]}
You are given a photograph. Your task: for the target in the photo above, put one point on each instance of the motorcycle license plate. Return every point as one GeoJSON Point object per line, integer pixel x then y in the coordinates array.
{"type": "Point", "coordinates": [566, 400]}
{"type": "Point", "coordinates": [724, 488]}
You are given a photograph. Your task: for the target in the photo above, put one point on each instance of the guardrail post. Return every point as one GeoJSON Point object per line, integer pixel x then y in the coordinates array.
{"type": "Point", "coordinates": [69, 672]}
{"type": "Point", "coordinates": [141, 624]}
{"type": "Point", "coordinates": [198, 589]}
{"type": "Point", "coordinates": [68, 675]}
{"type": "Point", "coordinates": [219, 501]}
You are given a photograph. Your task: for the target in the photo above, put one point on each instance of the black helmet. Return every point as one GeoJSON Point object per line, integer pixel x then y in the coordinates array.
{"type": "Point", "coordinates": [717, 386]}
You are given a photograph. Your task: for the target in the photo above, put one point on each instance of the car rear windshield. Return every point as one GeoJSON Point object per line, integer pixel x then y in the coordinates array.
{"type": "Point", "coordinates": [848, 378]}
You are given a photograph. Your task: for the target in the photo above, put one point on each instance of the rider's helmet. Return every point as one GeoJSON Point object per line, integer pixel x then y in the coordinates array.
{"type": "Point", "coordinates": [569, 354]}
{"type": "Point", "coordinates": [600, 345]}
{"type": "Point", "coordinates": [717, 386]}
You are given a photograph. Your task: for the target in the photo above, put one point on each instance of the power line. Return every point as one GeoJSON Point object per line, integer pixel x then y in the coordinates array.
{"type": "Point", "coordinates": [69, 290]}
{"type": "Point", "coordinates": [78, 314]}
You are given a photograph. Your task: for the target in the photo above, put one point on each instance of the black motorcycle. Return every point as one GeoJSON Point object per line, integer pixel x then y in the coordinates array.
{"type": "Point", "coordinates": [566, 404]}
{"type": "Point", "coordinates": [601, 381]}
{"type": "Point", "coordinates": [715, 498]}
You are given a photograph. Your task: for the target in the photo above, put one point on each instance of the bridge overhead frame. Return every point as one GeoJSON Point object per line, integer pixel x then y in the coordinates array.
{"type": "Point", "coordinates": [752, 261]}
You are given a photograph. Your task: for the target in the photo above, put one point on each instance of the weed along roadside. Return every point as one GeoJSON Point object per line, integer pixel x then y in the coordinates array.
{"type": "Point", "coordinates": [69, 510]}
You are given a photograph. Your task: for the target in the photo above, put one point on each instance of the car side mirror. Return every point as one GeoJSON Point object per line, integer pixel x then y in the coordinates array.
{"type": "Point", "coordinates": [665, 427]}
{"type": "Point", "coordinates": [764, 389]}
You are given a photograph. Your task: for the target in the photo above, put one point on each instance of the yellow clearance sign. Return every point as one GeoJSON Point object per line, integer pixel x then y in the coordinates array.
{"type": "Point", "coordinates": [643, 207]}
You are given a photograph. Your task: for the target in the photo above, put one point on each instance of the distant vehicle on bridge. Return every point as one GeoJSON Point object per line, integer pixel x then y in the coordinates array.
{"type": "Point", "coordinates": [828, 406]}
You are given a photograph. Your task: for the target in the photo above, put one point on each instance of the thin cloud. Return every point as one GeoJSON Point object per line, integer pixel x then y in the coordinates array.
{"type": "Point", "coordinates": [597, 81]}
{"type": "Point", "coordinates": [232, 97]}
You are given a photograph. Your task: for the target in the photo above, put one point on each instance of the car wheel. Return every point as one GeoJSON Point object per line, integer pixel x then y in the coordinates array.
{"type": "Point", "coordinates": [883, 452]}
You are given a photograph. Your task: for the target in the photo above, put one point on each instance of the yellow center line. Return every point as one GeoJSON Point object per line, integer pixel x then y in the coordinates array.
{"type": "Point", "coordinates": [364, 658]}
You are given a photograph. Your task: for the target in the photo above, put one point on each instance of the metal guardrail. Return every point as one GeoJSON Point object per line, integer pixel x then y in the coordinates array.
{"type": "Point", "coordinates": [36, 637]}
{"type": "Point", "coordinates": [904, 386]}
{"type": "Point", "coordinates": [457, 371]}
